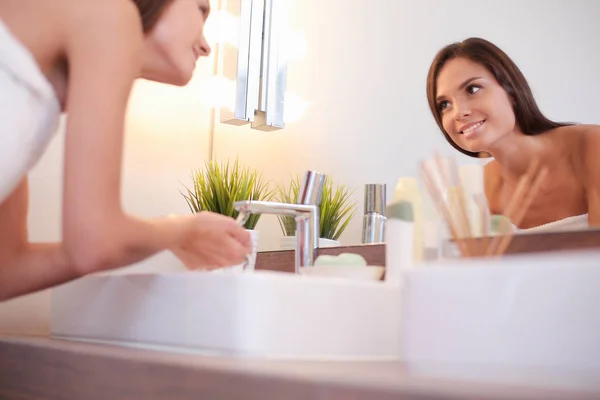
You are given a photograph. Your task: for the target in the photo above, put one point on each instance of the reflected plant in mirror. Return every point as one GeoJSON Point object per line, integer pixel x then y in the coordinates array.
{"type": "Point", "coordinates": [336, 211]}
{"type": "Point", "coordinates": [218, 185]}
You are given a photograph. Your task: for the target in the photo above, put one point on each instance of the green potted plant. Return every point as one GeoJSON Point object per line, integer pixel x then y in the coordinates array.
{"type": "Point", "coordinates": [336, 211]}
{"type": "Point", "coordinates": [218, 185]}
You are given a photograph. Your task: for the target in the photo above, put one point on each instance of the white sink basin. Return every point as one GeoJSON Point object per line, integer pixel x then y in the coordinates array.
{"type": "Point", "coordinates": [531, 311]}
{"type": "Point", "coordinates": [265, 314]}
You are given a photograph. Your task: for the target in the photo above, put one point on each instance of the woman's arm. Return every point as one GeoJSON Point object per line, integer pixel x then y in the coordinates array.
{"type": "Point", "coordinates": [104, 58]}
{"type": "Point", "coordinates": [104, 53]}
{"type": "Point", "coordinates": [25, 267]}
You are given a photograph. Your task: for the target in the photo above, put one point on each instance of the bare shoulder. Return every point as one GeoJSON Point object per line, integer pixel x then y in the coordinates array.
{"type": "Point", "coordinates": [106, 18]}
{"type": "Point", "coordinates": [588, 170]}
{"type": "Point", "coordinates": [589, 150]}
{"type": "Point", "coordinates": [590, 133]}
{"type": "Point", "coordinates": [43, 24]}
{"type": "Point", "coordinates": [104, 41]}
{"type": "Point", "coordinates": [584, 143]}
{"type": "Point", "coordinates": [106, 12]}
{"type": "Point", "coordinates": [576, 133]}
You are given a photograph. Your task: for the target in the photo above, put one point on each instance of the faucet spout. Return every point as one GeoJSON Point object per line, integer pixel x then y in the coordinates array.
{"type": "Point", "coordinates": [306, 213]}
{"type": "Point", "coordinates": [271, 207]}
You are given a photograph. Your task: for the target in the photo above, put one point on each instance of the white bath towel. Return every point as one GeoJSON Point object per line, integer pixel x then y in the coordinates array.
{"type": "Point", "coordinates": [575, 223]}
{"type": "Point", "coordinates": [29, 112]}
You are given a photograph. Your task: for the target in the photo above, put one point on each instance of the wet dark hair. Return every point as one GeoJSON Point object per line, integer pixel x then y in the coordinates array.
{"type": "Point", "coordinates": [528, 116]}
{"type": "Point", "coordinates": [150, 11]}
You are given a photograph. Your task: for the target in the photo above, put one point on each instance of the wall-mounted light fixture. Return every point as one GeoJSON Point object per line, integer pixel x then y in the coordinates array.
{"type": "Point", "coordinates": [257, 63]}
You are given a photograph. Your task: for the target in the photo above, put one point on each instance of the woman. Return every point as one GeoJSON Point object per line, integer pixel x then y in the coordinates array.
{"type": "Point", "coordinates": [485, 108]}
{"type": "Point", "coordinates": [82, 56]}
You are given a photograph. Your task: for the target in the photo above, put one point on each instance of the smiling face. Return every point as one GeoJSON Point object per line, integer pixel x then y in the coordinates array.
{"type": "Point", "coordinates": [176, 42]}
{"type": "Point", "coordinates": [474, 109]}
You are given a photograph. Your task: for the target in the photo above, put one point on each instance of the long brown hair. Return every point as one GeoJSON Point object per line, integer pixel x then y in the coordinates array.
{"type": "Point", "coordinates": [528, 116]}
{"type": "Point", "coordinates": [150, 11]}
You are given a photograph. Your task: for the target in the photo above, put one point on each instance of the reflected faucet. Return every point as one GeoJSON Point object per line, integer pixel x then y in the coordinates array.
{"type": "Point", "coordinates": [305, 212]}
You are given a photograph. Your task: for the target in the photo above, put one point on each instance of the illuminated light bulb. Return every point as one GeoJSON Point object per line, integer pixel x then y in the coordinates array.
{"type": "Point", "coordinates": [218, 92]}
{"type": "Point", "coordinates": [295, 45]}
{"type": "Point", "coordinates": [294, 107]}
{"type": "Point", "coordinates": [222, 27]}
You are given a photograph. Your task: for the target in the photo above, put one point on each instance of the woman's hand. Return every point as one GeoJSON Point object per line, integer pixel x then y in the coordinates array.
{"type": "Point", "coordinates": [212, 241]}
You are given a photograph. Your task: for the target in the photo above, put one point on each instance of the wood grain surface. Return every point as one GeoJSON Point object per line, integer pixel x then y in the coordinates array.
{"type": "Point", "coordinates": [375, 253]}
{"type": "Point", "coordinates": [45, 368]}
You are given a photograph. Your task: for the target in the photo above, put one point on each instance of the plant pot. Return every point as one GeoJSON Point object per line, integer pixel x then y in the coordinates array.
{"type": "Point", "coordinates": [289, 243]}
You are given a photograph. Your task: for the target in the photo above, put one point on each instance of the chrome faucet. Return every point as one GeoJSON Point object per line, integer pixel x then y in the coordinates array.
{"type": "Point", "coordinates": [306, 213]}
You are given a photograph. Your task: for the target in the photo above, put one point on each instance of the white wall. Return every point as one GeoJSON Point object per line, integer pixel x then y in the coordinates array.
{"type": "Point", "coordinates": [364, 76]}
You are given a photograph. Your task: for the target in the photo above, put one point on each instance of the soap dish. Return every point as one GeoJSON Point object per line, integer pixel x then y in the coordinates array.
{"type": "Point", "coordinates": [363, 273]}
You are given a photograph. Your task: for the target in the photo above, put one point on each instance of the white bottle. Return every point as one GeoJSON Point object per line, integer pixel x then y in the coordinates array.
{"type": "Point", "coordinates": [399, 240]}
{"type": "Point", "coordinates": [407, 189]}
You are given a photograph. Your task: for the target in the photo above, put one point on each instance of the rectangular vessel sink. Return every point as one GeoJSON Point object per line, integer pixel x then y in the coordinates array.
{"type": "Point", "coordinates": [264, 314]}
{"type": "Point", "coordinates": [535, 311]}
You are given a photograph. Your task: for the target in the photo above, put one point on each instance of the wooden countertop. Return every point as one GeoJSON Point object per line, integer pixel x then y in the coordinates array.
{"type": "Point", "coordinates": [45, 368]}
{"type": "Point", "coordinates": [283, 260]}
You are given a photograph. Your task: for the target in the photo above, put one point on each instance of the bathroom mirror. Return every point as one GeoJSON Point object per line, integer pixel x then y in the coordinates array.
{"type": "Point", "coordinates": [356, 72]}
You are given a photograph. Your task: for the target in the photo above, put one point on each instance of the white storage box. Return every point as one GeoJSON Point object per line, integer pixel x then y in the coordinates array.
{"type": "Point", "coordinates": [527, 311]}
